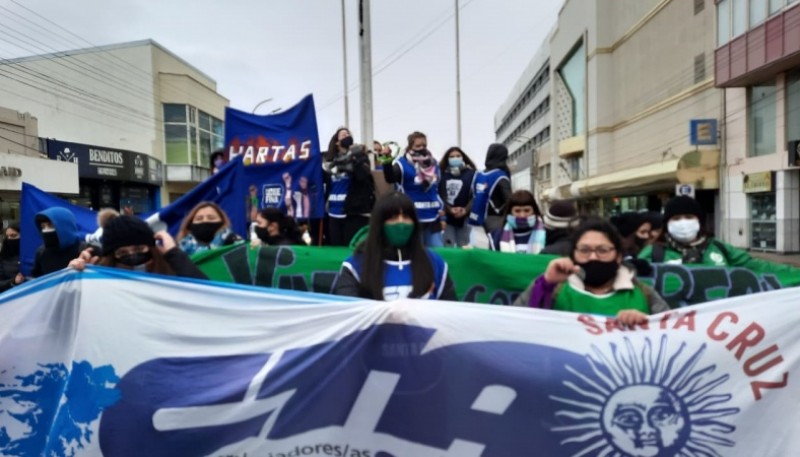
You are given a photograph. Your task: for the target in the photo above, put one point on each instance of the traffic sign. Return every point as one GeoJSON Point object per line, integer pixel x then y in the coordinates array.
{"type": "Point", "coordinates": [684, 189]}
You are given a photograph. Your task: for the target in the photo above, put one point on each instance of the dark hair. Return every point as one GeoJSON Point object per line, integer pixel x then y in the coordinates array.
{"type": "Point", "coordinates": [467, 161]}
{"type": "Point", "coordinates": [333, 145]}
{"type": "Point", "coordinates": [522, 198]}
{"type": "Point", "coordinates": [596, 225]}
{"type": "Point", "coordinates": [376, 248]}
{"type": "Point", "coordinates": [655, 219]}
{"type": "Point", "coordinates": [413, 136]}
{"type": "Point", "coordinates": [13, 226]}
{"type": "Point", "coordinates": [159, 265]}
{"type": "Point", "coordinates": [287, 226]}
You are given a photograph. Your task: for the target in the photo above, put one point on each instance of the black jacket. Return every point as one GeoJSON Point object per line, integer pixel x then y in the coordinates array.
{"type": "Point", "coordinates": [361, 195]}
{"type": "Point", "coordinates": [50, 260]}
{"type": "Point", "coordinates": [449, 184]}
{"type": "Point", "coordinates": [496, 158]}
{"type": "Point", "coordinates": [9, 267]}
{"type": "Point", "coordinates": [182, 264]}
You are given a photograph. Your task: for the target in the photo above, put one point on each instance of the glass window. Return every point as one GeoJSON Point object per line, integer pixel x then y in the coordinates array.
{"type": "Point", "coordinates": [205, 148]}
{"type": "Point", "coordinates": [775, 6]}
{"type": "Point", "coordinates": [574, 74]}
{"type": "Point", "coordinates": [193, 150]}
{"type": "Point", "coordinates": [761, 119]}
{"type": "Point", "coordinates": [739, 17]}
{"type": "Point", "coordinates": [793, 105]}
{"type": "Point", "coordinates": [758, 12]}
{"type": "Point", "coordinates": [174, 113]}
{"type": "Point", "coordinates": [177, 144]}
{"type": "Point", "coordinates": [763, 228]}
{"type": "Point", "coordinates": [205, 121]}
{"type": "Point", "coordinates": [723, 22]}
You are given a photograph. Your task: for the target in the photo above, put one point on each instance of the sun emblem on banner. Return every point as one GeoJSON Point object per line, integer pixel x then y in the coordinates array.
{"type": "Point", "coordinates": [645, 403]}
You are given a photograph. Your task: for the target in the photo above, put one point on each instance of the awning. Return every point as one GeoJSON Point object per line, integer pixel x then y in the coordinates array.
{"type": "Point", "coordinates": [700, 168]}
{"type": "Point", "coordinates": [641, 179]}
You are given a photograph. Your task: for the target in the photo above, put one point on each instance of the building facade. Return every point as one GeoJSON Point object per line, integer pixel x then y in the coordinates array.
{"type": "Point", "coordinates": [22, 160]}
{"type": "Point", "coordinates": [627, 79]}
{"type": "Point", "coordinates": [127, 103]}
{"type": "Point", "coordinates": [522, 123]}
{"type": "Point", "coordinates": [757, 64]}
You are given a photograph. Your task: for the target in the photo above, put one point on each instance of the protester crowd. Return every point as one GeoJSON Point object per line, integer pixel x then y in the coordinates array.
{"type": "Point", "coordinates": [436, 203]}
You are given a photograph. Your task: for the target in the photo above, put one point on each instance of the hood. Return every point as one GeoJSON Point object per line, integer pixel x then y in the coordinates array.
{"type": "Point", "coordinates": [64, 222]}
{"type": "Point", "coordinates": [496, 156]}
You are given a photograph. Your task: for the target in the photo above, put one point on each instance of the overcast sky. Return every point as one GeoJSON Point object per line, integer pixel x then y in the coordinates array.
{"type": "Point", "coordinates": [285, 49]}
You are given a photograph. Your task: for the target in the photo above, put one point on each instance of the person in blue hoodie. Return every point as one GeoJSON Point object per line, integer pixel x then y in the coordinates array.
{"type": "Point", "coordinates": [61, 241]}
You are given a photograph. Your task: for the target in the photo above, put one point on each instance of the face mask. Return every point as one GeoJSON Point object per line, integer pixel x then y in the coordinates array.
{"type": "Point", "coordinates": [346, 142]}
{"type": "Point", "coordinates": [11, 247]}
{"type": "Point", "coordinates": [50, 238]}
{"type": "Point", "coordinates": [597, 272]}
{"type": "Point", "coordinates": [398, 234]}
{"type": "Point", "coordinates": [263, 234]}
{"type": "Point", "coordinates": [684, 230]}
{"type": "Point", "coordinates": [204, 232]}
{"type": "Point", "coordinates": [136, 260]}
{"type": "Point", "coordinates": [521, 223]}
{"type": "Point", "coordinates": [640, 242]}
{"type": "Point", "coordinates": [219, 162]}
{"type": "Point", "coordinates": [455, 162]}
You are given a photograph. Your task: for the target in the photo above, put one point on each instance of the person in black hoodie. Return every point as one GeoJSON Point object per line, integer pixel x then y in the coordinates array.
{"type": "Point", "coordinates": [458, 170]}
{"type": "Point", "coordinates": [62, 242]}
{"type": "Point", "coordinates": [129, 243]}
{"type": "Point", "coordinates": [491, 190]}
{"type": "Point", "coordinates": [9, 259]}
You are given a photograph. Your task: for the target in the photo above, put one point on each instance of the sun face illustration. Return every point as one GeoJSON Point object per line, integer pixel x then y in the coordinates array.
{"type": "Point", "coordinates": [647, 403]}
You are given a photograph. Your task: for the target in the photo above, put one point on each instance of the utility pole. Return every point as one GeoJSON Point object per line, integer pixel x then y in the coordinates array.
{"type": "Point", "coordinates": [458, 82]}
{"type": "Point", "coordinates": [344, 69]}
{"type": "Point", "coordinates": [366, 73]}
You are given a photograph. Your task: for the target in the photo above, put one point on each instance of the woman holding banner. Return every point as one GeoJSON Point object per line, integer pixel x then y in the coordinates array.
{"type": "Point", "coordinates": [416, 174]}
{"type": "Point", "coordinates": [206, 227]}
{"type": "Point", "coordinates": [593, 280]}
{"type": "Point", "coordinates": [392, 263]}
{"type": "Point", "coordinates": [351, 194]}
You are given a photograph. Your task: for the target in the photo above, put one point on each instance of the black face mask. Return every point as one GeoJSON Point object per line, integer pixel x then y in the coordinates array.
{"type": "Point", "coordinates": [134, 260]}
{"type": "Point", "coordinates": [204, 232]}
{"type": "Point", "coordinates": [10, 247]}
{"type": "Point", "coordinates": [346, 142]}
{"type": "Point", "coordinates": [263, 234]}
{"type": "Point", "coordinates": [640, 242]}
{"type": "Point", "coordinates": [50, 240]}
{"type": "Point", "coordinates": [597, 273]}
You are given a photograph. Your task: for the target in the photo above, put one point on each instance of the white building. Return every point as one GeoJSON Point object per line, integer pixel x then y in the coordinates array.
{"type": "Point", "coordinates": [156, 115]}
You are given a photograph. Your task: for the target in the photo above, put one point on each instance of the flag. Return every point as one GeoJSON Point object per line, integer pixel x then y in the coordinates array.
{"type": "Point", "coordinates": [117, 363]}
{"type": "Point", "coordinates": [282, 163]}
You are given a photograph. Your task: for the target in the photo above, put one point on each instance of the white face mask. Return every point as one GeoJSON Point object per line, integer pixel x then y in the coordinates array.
{"type": "Point", "coordinates": [684, 230]}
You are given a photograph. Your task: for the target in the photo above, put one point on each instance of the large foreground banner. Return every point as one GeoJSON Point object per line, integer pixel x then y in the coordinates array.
{"type": "Point", "coordinates": [480, 276]}
{"type": "Point", "coordinates": [111, 363]}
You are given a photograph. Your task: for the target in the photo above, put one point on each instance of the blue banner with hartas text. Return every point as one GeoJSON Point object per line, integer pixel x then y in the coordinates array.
{"type": "Point", "coordinates": [282, 163]}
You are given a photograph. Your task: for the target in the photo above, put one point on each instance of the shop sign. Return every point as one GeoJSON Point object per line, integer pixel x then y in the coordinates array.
{"type": "Point", "coordinates": [98, 162]}
{"type": "Point", "coordinates": [758, 182]}
{"type": "Point", "coordinates": [684, 189]}
{"type": "Point", "coordinates": [703, 132]}
{"type": "Point", "coordinates": [10, 172]}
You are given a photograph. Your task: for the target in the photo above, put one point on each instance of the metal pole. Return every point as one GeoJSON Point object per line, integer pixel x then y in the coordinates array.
{"type": "Point", "coordinates": [344, 69]}
{"type": "Point", "coordinates": [261, 103]}
{"type": "Point", "coordinates": [366, 73]}
{"type": "Point", "coordinates": [458, 82]}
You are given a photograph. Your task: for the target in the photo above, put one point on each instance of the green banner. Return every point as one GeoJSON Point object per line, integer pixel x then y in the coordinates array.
{"type": "Point", "coordinates": [480, 276]}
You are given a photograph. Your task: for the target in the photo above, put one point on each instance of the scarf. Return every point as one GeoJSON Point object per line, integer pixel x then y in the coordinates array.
{"type": "Point", "coordinates": [425, 174]}
{"type": "Point", "coordinates": [535, 242]}
{"type": "Point", "coordinates": [190, 245]}
{"type": "Point", "coordinates": [690, 253]}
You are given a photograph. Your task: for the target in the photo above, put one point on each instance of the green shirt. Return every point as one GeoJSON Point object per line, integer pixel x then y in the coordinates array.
{"type": "Point", "coordinates": [567, 298]}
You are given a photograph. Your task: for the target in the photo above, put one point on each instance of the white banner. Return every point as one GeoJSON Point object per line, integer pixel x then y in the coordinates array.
{"type": "Point", "coordinates": [112, 363]}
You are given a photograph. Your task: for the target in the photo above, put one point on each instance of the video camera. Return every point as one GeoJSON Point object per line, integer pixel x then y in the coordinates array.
{"type": "Point", "coordinates": [355, 156]}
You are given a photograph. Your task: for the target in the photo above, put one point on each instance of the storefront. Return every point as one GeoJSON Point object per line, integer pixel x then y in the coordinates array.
{"type": "Point", "coordinates": [761, 203]}
{"type": "Point", "coordinates": [112, 178]}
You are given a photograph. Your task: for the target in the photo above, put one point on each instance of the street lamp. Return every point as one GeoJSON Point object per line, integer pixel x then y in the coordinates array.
{"type": "Point", "coordinates": [261, 103]}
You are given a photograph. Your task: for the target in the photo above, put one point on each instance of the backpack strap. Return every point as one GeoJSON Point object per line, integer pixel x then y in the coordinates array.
{"type": "Point", "coordinates": [658, 253]}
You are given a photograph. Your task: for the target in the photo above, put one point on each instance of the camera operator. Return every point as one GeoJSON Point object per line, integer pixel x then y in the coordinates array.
{"type": "Point", "coordinates": [351, 188]}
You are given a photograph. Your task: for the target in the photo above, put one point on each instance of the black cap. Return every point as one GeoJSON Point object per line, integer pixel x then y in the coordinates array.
{"type": "Point", "coordinates": [126, 231]}
{"type": "Point", "coordinates": [627, 223]}
{"type": "Point", "coordinates": [683, 205]}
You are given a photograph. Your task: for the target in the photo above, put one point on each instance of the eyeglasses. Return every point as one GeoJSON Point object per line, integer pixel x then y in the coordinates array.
{"type": "Point", "coordinates": [133, 250]}
{"type": "Point", "coordinates": [602, 252]}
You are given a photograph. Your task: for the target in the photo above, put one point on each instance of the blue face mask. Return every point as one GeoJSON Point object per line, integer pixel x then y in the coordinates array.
{"type": "Point", "coordinates": [455, 162]}
{"type": "Point", "coordinates": [521, 223]}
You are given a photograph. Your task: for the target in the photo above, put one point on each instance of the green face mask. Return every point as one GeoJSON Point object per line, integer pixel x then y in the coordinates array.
{"type": "Point", "coordinates": [399, 233]}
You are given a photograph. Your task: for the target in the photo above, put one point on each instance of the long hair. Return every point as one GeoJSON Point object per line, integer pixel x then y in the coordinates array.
{"type": "Point", "coordinates": [333, 145]}
{"type": "Point", "coordinates": [187, 221]}
{"type": "Point", "coordinates": [376, 249]}
{"type": "Point", "coordinates": [522, 198]}
{"type": "Point", "coordinates": [596, 225]}
{"type": "Point", "coordinates": [286, 225]}
{"type": "Point", "coordinates": [159, 265]}
{"type": "Point", "coordinates": [443, 164]}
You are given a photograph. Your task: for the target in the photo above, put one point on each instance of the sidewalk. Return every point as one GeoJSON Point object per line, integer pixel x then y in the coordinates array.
{"type": "Point", "coordinates": [788, 259]}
